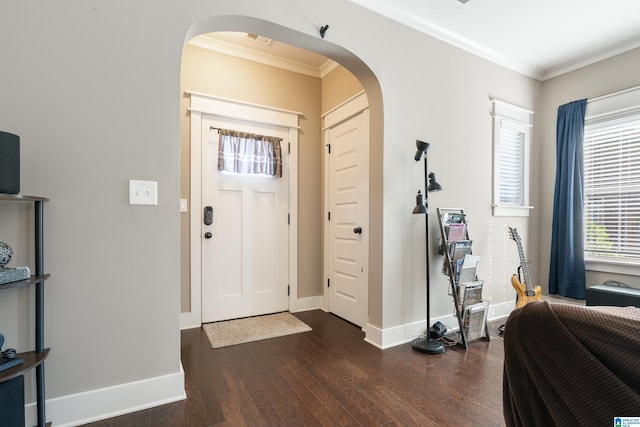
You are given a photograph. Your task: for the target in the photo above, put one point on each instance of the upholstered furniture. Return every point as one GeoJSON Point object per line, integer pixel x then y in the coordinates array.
{"type": "Point", "coordinates": [570, 365]}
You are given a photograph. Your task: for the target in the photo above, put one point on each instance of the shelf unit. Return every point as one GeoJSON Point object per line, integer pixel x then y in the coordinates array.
{"type": "Point", "coordinates": [33, 359]}
{"type": "Point", "coordinates": [444, 219]}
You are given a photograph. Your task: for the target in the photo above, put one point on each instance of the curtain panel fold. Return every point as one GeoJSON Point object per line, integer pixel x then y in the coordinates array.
{"type": "Point", "coordinates": [247, 153]}
{"type": "Point", "coordinates": [567, 265]}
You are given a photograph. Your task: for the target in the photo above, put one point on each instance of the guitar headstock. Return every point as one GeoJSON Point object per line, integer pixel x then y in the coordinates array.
{"type": "Point", "coordinates": [513, 233]}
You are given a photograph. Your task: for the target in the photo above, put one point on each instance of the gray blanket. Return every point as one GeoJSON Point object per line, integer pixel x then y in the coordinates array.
{"type": "Point", "coordinates": [568, 365]}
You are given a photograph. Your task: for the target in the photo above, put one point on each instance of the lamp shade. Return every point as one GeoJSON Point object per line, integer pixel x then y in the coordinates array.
{"type": "Point", "coordinates": [433, 184]}
{"type": "Point", "coordinates": [420, 207]}
{"type": "Point", "coordinates": [421, 148]}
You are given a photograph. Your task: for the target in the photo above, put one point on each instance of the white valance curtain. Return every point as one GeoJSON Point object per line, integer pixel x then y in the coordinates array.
{"type": "Point", "coordinates": [247, 153]}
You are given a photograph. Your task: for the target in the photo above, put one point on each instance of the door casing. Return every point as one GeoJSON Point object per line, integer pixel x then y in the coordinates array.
{"type": "Point", "coordinates": [343, 112]}
{"type": "Point", "coordinates": [202, 104]}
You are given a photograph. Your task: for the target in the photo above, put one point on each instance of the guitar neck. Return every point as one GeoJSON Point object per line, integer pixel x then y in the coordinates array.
{"type": "Point", "coordinates": [525, 269]}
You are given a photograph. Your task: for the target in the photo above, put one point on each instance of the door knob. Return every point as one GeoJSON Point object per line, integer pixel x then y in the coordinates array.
{"type": "Point", "coordinates": [208, 235]}
{"type": "Point", "coordinates": [357, 230]}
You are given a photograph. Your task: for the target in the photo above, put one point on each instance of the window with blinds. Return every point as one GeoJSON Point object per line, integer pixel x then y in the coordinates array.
{"type": "Point", "coordinates": [511, 164]}
{"type": "Point", "coordinates": [511, 136]}
{"type": "Point", "coordinates": [612, 187]}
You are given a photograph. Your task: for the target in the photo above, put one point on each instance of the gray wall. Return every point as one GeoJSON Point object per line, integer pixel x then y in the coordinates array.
{"type": "Point", "coordinates": [93, 88]}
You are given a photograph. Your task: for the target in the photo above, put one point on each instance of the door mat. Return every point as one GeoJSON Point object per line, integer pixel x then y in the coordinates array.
{"type": "Point", "coordinates": [239, 331]}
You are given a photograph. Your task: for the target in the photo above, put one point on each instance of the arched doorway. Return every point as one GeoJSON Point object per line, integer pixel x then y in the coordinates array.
{"type": "Point", "coordinates": [368, 81]}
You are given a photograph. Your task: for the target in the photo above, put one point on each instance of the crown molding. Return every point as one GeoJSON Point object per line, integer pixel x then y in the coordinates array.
{"type": "Point", "coordinates": [425, 26]}
{"type": "Point", "coordinates": [254, 55]}
{"type": "Point", "coordinates": [589, 59]}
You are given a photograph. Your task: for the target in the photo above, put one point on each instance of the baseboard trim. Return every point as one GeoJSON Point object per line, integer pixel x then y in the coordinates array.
{"type": "Point", "coordinates": [402, 334]}
{"type": "Point", "coordinates": [502, 310]}
{"type": "Point", "coordinates": [381, 338]}
{"type": "Point", "coordinates": [391, 337]}
{"type": "Point", "coordinates": [305, 304]}
{"type": "Point", "coordinates": [189, 320]}
{"type": "Point", "coordinates": [99, 404]}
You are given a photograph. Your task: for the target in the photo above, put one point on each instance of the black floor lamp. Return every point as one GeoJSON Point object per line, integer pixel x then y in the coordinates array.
{"type": "Point", "coordinates": [426, 344]}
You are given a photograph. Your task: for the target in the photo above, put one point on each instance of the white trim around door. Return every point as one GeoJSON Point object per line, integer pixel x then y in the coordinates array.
{"type": "Point", "coordinates": [346, 200]}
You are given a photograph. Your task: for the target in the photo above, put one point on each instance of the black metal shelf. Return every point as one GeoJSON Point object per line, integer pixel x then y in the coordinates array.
{"type": "Point", "coordinates": [21, 198]}
{"type": "Point", "coordinates": [33, 359]}
{"type": "Point", "coordinates": [26, 282]}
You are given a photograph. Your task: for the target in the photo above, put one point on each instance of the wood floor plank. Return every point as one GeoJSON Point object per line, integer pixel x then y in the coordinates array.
{"type": "Point", "coordinates": [330, 377]}
{"type": "Point", "coordinates": [324, 403]}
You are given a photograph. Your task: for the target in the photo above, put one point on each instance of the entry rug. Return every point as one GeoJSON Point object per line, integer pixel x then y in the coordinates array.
{"type": "Point", "coordinates": [239, 331]}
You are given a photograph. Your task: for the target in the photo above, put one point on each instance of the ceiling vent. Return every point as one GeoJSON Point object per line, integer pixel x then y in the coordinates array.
{"type": "Point", "coordinates": [258, 39]}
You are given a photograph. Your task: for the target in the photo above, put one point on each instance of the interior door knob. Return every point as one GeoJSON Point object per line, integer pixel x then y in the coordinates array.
{"type": "Point", "coordinates": [208, 235]}
{"type": "Point", "coordinates": [357, 230]}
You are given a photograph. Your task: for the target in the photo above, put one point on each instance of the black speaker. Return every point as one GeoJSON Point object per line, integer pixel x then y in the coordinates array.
{"type": "Point", "coordinates": [9, 163]}
{"type": "Point", "coordinates": [12, 402]}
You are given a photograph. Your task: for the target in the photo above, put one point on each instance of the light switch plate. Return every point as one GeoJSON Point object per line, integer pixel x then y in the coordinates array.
{"type": "Point", "coordinates": [183, 205]}
{"type": "Point", "coordinates": [143, 192]}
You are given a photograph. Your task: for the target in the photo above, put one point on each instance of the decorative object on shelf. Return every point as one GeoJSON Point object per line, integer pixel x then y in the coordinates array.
{"type": "Point", "coordinates": [8, 357]}
{"type": "Point", "coordinates": [6, 253]}
{"type": "Point", "coordinates": [9, 163]}
{"type": "Point", "coordinates": [8, 275]}
{"type": "Point", "coordinates": [426, 343]}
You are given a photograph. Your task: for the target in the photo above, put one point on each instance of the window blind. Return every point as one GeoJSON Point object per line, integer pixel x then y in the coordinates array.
{"type": "Point", "coordinates": [612, 187]}
{"type": "Point", "coordinates": [511, 164]}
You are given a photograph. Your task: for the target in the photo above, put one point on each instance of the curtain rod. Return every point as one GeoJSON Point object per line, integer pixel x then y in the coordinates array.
{"type": "Point", "coordinates": [259, 136]}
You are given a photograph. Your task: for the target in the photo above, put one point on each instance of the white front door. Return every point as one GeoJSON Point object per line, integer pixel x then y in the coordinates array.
{"type": "Point", "coordinates": [245, 248]}
{"type": "Point", "coordinates": [348, 219]}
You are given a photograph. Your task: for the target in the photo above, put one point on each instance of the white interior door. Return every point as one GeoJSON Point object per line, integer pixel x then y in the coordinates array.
{"type": "Point", "coordinates": [348, 240]}
{"type": "Point", "coordinates": [245, 256]}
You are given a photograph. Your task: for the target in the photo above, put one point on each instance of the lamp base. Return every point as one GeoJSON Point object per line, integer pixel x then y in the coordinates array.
{"type": "Point", "coordinates": [427, 345]}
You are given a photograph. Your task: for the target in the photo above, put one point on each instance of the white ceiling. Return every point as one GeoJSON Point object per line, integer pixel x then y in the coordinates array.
{"type": "Point", "coordinates": [538, 38]}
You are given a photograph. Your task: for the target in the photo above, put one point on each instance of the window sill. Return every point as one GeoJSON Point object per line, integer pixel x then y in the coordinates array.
{"type": "Point", "coordinates": [617, 267]}
{"type": "Point", "coordinates": [505, 210]}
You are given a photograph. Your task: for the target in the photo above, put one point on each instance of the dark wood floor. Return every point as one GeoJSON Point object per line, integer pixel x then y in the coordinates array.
{"type": "Point", "coordinates": [331, 377]}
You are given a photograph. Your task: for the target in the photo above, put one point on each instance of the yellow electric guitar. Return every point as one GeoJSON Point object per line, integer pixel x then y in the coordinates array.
{"type": "Point", "coordinates": [526, 292]}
